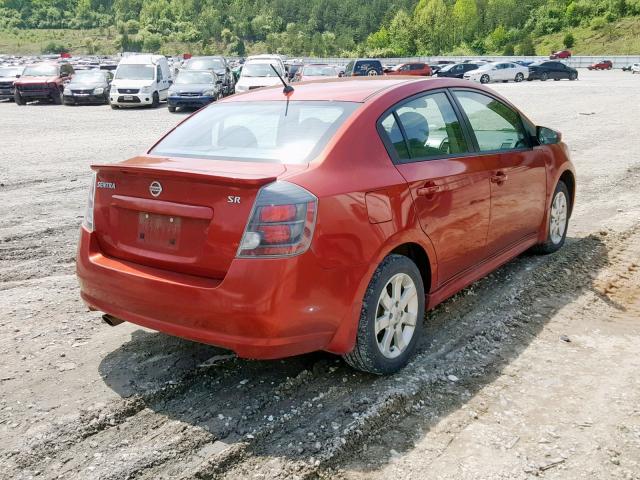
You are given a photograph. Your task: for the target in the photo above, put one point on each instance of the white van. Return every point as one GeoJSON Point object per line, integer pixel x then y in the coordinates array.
{"type": "Point", "coordinates": [258, 73]}
{"type": "Point", "coordinates": [140, 80]}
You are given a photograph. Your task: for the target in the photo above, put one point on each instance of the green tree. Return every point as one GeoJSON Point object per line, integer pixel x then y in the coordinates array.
{"type": "Point", "coordinates": [432, 25]}
{"type": "Point", "coordinates": [568, 40]}
{"type": "Point", "coordinates": [465, 16]}
{"type": "Point", "coordinates": [401, 36]}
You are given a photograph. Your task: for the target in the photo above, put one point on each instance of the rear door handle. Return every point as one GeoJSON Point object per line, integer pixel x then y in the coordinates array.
{"type": "Point", "coordinates": [428, 190]}
{"type": "Point", "coordinates": [499, 177]}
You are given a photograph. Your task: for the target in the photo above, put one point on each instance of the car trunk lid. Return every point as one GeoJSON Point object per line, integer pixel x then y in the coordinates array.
{"type": "Point", "coordinates": [183, 215]}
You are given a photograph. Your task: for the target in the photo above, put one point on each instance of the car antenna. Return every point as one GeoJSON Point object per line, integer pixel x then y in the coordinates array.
{"type": "Point", "coordinates": [287, 88]}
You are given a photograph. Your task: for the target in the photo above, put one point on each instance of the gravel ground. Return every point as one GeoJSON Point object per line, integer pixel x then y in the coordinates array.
{"type": "Point", "coordinates": [530, 372]}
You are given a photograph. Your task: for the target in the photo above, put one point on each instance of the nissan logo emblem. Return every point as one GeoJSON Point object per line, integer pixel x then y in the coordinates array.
{"type": "Point", "coordinates": [155, 188]}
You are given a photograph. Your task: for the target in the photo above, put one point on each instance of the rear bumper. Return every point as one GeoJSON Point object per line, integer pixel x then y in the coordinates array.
{"type": "Point", "coordinates": [263, 308]}
{"type": "Point", "coordinates": [189, 101]}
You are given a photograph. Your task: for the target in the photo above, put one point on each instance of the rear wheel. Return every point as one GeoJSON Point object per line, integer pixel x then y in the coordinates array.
{"type": "Point", "coordinates": [485, 79]}
{"type": "Point", "coordinates": [372, 73]}
{"type": "Point", "coordinates": [519, 77]}
{"type": "Point", "coordinates": [391, 318]}
{"type": "Point", "coordinates": [544, 76]}
{"type": "Point", "coordinates": [558, 221]}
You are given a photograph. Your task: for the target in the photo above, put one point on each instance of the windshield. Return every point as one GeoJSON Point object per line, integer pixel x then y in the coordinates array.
{"type": "Point", "coordinates": [89, 76]}
{"type": "Point", "coordinates": [42, 70]}
{"type": "Point", "coordinates": [259, 70]}
{"type": "Point", "coordinates": [205, 64]}
{"type": "Point", "coordinates": [135, 72]}
{"type": "Point", "coordinates": [319, 71]}
{"type": "Point", "coordinates": [186, 77]}
{"type": "Point", "coordinates": [10, 72]}
{"type": "Point", "coordinates": [268, 132]}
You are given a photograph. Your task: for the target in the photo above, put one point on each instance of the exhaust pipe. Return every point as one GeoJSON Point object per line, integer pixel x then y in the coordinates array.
{"type": "Point", "coordinates": [111, 320]}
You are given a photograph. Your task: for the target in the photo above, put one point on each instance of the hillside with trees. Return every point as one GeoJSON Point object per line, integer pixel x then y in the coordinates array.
{"type": "Point", "coordinates": [381, 28]}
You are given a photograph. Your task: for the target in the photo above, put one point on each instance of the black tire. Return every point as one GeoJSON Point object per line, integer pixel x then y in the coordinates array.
{"type": "Point", "coordinates": [573, 76]}
{"type": "Point", "coordinates": [56, 97]}
{"type": "Point", "coordinates": [556, 79]}
{"type": "Point", "coordinates": [171, 109]}
{"type": "Point", "coordinates": [519, 77]}
{"type": "Point", "coordinates": [372, 73]}
{"type": "Point", "coordinates": [107, 101]}
{"type": "Point", "coordinates": [366, 354]}
{"type": "Point", "coordinates": [549, 246]}
{"type": "Point", "coordinates": [485, 78]}
{"type": "Point", "coordinates": [544, 76]}
{"type": "Point", "coordinates": [18, 99]}
{"type": "Point", "coordinates": [156, 100]}
{"type": "Point", "coordinates": [114, 107]}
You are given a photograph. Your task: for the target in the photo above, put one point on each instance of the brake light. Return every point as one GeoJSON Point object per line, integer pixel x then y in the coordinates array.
{"type": "Point", "coordinates": [281, 223]}
{"type": "Point", "coordinates": [87, 222]}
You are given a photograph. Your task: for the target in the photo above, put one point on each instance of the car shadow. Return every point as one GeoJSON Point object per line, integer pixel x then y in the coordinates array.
{"type": "Point", "coordinates": [235, 399]}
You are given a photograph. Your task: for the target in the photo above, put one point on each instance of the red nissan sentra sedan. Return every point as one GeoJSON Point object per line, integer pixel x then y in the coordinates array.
{"type": "Point", "coordinates": [328, 218]}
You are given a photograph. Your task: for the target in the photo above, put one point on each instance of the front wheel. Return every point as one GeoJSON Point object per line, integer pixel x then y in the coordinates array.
{"type": "Point", "coordinates": [56, 96]}
{"type": "Point", "coordinates": [156, 100]}
{"type": "Point", "coordinates": [391, 318]}
{"type": "Point", "coordinates": [519, 77]}
{"type": "Point", "coordinates": [544, 77]}
{"type": "Point", "coordinates": [485, 79]}
{"type": "Point", "coordinates": [171, 108]}
{"type": "Point", "coordinates": [558, 221]}
{"type": "Point", "coordinates": [18, 99]}
{"type": "Point", "coordinates": [573, 76]}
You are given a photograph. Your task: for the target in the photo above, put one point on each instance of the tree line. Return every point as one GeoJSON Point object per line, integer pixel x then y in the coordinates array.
{"type": "Point", "coordinates": [380, 28]}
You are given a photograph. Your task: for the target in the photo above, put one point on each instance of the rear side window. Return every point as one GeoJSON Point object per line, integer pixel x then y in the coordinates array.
{"type": "Point", "coordinates": [495, 125]}
{"type": "Point", "coordinates": [268, 132]}
{"type": "Point", "coordinates": [392, 129]}
{"type": "Point", "coordinates": [430, 127]}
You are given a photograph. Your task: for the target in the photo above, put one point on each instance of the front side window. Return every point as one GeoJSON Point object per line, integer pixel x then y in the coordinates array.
{"type": "Point", "coordinates": [267, 132]}
{"type": "Point", "coordinates": [431, 128]}
{"type": "Point", "coordinates": [495, 125]}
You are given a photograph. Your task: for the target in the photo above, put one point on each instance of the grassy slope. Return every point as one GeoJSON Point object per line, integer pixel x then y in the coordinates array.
{"type": "Point", "coordinates": [618, 38]}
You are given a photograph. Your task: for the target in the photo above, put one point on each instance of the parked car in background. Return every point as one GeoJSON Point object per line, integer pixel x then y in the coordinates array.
{"type": "Point", "coordinates": [8, 76]}
{"type": "Point", "coordinates": [43, 81]}
{"type": "Point", "coordinates": [272, 57]}
{"type": "Point", "coordinates": [219, 66]}
{"type": "Point", "coordinates": [498, 72]}
{"type": "Point", "coordinates": [140, 80]}
{"type": "Point", "coordinates": [546, 70]}
{"type": "Point", "coordinates": [363, 67]}
{"type": "Point", "coordinates": [601, 65]}
{"type": "Point", "coordinates": [293, 69]}
{"type": "Point", "coordinates": [561, 54]}
{"type": "Point", "coordinates": [88, 86]}
{"type": "Point", "coordinates": [635, 68]}
{"type": "Point", "coordinates": [411, 68]}
{"type": "Point", "coordinates": [222, 233]}
{"type": "Point", "coordinates": [316, 71]}
{"type": "Point", "coordinates": [259, 73]}
{"type": "Point", "coordinates": [194, 89]}
{"type": "Point", "coordinates": [457, 70]}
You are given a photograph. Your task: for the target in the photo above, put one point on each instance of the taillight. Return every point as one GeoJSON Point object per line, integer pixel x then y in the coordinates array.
{"type": "Point", "coordinates": [87, 222]}
{"type": "Point", "coordinates": [281, 223]}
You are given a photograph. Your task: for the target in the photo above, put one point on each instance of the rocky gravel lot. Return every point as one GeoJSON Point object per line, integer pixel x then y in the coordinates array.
{"type": "Point", "coordinates": [531, 372]}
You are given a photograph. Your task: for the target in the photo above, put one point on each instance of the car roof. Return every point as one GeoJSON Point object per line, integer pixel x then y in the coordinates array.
{"type": "Point", "coordinates": [351, 89]}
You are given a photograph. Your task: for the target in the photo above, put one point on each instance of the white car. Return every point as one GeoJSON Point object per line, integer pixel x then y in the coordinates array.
{"type": "Point", "coordinates": [635, 68]}
{"type": "Point", "coordinates": [259, 73]}
{"type": "Point", "coordinates": [498, 72]}
{"type": "Point", "coordinates": [140, 80]}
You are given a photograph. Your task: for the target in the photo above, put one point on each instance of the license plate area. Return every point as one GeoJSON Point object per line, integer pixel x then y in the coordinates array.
{"type": "Point", "coordinates": [128, 97]}
{"type": "Point", "coordinates": [159, 231]}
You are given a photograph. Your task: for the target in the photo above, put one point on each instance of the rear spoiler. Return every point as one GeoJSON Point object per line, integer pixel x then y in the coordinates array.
{"type": "Point", "coordinates": [206, 176]}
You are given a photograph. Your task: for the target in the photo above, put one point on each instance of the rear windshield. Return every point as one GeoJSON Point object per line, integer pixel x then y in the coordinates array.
{"type": "Point", "coordinates": [205, 64]}
{"type": "Point", "coordinates": [268, 132]}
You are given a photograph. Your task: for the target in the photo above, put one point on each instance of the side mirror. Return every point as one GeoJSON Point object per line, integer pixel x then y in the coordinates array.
{"type": "Point", "coordinates": [547, 136]}
{"type": "Point", "coordinates": [218, 81]}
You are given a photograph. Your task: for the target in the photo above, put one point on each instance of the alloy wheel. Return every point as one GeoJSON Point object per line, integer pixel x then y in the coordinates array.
{"type": "Point", "coordinates": [396, 315]}
{"type": "Point", "coordinates": [558, 221]}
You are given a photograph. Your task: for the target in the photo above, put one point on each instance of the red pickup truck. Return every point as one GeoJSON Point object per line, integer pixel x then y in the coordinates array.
{"type": "Point", "coordinates": [43, 81]}
{"type": "Point", "coordinates": [411, 68]}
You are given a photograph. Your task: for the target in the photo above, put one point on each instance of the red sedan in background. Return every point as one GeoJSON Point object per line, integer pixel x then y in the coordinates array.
{"type": "Point", "coordinates": [411, 68]}
{"type": "Point", "coordinates": [601, 65]}
{"type": "Point", "coordinates": [326, 218]}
